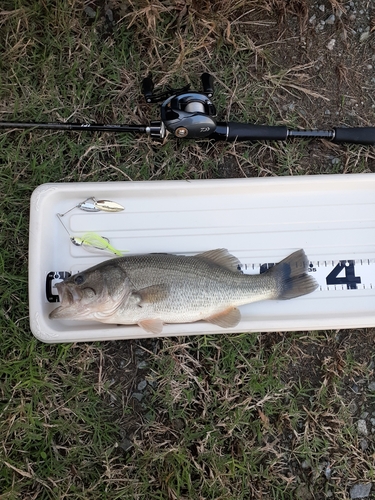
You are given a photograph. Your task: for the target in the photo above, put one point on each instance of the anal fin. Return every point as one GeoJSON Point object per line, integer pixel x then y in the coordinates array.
{"type": "Point", "coordinates": [152, 325]}
{"type": "Point", "coordinates": [225, 319]}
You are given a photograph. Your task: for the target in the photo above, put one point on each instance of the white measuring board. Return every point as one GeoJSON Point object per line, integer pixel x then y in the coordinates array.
{"type": "Point", "coordinates": [260, 220]}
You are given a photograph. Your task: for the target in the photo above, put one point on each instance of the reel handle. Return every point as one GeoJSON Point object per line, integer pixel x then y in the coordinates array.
{"type": "Point", "coordinates": [207, 84]}
{"type": "Point", "coordinates": [148, 88]}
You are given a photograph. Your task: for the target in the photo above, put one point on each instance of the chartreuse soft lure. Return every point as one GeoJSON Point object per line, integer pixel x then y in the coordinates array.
{"type": "Point", "coordinates": [93, 240]}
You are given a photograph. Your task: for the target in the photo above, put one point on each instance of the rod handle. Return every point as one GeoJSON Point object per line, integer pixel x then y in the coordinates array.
{"type": "Point", "coordinates": [356, 135]}
{"type": "Point", "coordinates": [249, 132]}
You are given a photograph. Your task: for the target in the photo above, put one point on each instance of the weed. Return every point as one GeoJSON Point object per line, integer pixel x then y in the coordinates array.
{"type": "Point", "coordinates": [229, 416]}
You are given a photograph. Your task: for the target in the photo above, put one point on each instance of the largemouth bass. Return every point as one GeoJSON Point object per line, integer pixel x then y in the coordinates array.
{"type": "Point", "coordinates": [154, 289]}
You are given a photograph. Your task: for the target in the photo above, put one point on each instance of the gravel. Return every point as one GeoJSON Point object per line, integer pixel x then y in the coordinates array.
{"type": "Point", "coordinates": [360, 490]}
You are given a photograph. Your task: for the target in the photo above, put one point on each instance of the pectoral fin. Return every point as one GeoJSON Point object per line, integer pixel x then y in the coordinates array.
{"type": "Point", "coordinates": [152, 325]}
{"type": "Point", "coordinates": [225, 319]}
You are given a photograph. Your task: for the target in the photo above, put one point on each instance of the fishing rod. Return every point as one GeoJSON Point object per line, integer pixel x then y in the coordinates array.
{"type": "Point", "coordinates": [192, 115]}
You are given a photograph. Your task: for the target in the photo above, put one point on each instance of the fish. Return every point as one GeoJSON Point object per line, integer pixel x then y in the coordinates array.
{"type": "Point", "coordinates": [154, 289]}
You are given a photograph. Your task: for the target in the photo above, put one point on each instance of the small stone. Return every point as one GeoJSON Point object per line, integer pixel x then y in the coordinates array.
{"type": "Point", "coordinates": [109, 15]}
{"type": "Point", "coordinates": [178, 424]}
{"type": "Point", "coordinates": [331, 19]}
{"type": "Point", "coordinates": [322, 466]}
{"type": "Point", "coordinates": [302, 491]}
{"type": "Point", "coordinates": [371, 386]}
{"type": "Point", "coordinates": [142, 365]}
{"type": "Point", "coordinates": [126, 444]}
{"type": "Point", "coordinates": [362, 427]}
{"type": "Point", "coordinates": [364, 415]}
{"type": "Point", "coordinates": [138, 396]}
{"type": "Point", "coordinates": [360, 490]}
{"type": "Point", "coordinates": [312, 19]}
{"type": "Point", "coordinates": [331, 44]}
{"type": "Point", "coordinates": [306, 464]}
{"type": "Point", "coordinates": [322, 7]}
{"type": "Point", "coordinates": [364, 36]}
{"type": "Point", "coordinates": [142, 385]}
{"type": "Point", "coordinates": [152, 382]}
{"type": "Point", "coordinates": [150, 417]}
{"type": "Point", "coordinates": [364, 444]}
{"type": "Point", "coordinates": [353, 407]}
{"type": "Point", "coordinates": [90, 12]}
{"type": "Point", "coordinates": [328, 472]}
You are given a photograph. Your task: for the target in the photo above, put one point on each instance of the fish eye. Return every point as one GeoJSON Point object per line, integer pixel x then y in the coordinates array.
{"type": "Point", "coordinates": [79, 279]}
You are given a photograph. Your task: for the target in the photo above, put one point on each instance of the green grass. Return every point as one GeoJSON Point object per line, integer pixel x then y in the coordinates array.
{"type": "Point", "coordinates": [229, 416]}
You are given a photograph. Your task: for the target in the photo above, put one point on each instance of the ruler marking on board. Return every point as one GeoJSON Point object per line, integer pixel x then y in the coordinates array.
{"type": "Point", "coordinates": [331, 275]}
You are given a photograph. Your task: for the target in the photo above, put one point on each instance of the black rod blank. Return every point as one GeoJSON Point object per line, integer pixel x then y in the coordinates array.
{"type": "Point", "coordinates": [80, 127]}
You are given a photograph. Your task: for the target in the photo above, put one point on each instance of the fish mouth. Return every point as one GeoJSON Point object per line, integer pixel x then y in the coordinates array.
{"type": "Point", "coordinates": [68, 296]}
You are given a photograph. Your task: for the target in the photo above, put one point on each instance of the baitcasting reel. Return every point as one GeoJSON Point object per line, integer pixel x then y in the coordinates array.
{"type": "Point", "coordinates": [184, 113]}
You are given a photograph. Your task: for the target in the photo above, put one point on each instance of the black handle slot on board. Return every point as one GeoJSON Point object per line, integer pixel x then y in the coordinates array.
{"type": "Point", "coordinates": [52, 278]}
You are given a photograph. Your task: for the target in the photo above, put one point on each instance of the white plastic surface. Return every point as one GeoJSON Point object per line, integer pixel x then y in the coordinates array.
{"type": "Point", "coordinates": [261, 220]}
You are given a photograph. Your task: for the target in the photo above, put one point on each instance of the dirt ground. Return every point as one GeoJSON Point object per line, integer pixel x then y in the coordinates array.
{"type": "Point", "coordinates": [323, 75]}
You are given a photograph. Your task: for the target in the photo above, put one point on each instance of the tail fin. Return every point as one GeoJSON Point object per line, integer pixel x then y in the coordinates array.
{"type": "Point", "coordinates": [291, 277]}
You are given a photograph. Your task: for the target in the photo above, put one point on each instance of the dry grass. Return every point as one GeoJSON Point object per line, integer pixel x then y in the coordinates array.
{"type": "Point", "coordinates": [245, 416]}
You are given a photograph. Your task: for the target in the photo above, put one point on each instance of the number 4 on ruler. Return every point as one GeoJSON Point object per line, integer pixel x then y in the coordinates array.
{"type": "Point", "coordinates": [349, 279]}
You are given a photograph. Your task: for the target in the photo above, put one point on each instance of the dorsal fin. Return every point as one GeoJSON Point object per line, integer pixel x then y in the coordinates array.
{"type": "Point", "coordinates": [222, 257]}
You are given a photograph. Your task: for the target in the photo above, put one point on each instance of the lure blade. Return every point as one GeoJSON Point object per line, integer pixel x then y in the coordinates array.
{"type": "Point", "coordinates": [109, 206]}
{"type": "Point", "coordinates": [93, 205]}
